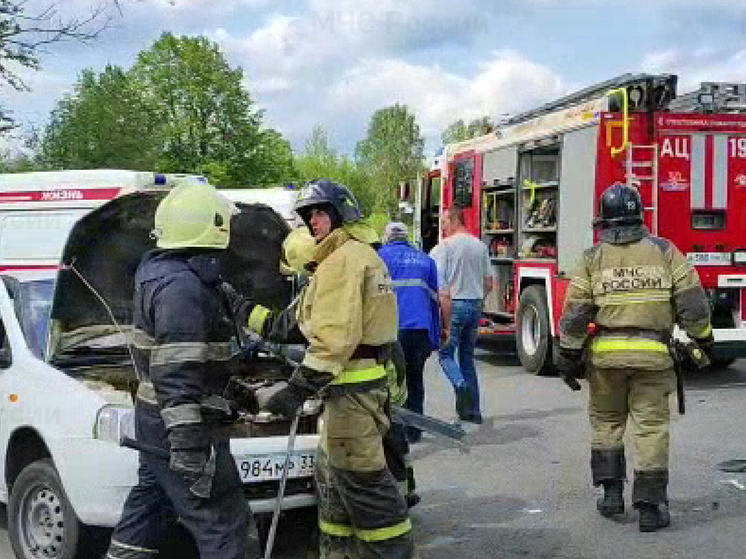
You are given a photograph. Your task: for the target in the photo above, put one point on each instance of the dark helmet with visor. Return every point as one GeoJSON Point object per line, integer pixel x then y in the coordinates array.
{"type": "Point", "coordinates": [334, 198]}
{"type": "Point", "coordinates": [620, 205]}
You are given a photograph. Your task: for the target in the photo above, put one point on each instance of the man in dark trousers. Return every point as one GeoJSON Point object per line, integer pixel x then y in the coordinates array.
{"type": "Point", "coordinates": [181, 348]}
{"type": "Point", "coordinates": [415, 280]}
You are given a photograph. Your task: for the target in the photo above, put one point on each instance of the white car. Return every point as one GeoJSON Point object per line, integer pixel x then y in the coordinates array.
{"type": "Point", "coordinates": [66, 385]}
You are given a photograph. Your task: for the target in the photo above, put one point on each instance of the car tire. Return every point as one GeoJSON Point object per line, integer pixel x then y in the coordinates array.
{"type": "Point", "coordinates": [41, 521]}
{"type": "Point", "coordinates": [533, 331]}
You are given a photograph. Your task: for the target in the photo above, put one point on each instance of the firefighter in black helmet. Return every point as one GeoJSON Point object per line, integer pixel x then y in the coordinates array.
{"type": "Point", "coordinates": [348, 315]}
{"type": "Point", "coordinates": [635, 288]}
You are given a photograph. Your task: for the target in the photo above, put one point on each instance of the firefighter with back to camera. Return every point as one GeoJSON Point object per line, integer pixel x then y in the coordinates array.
{"type": "Point", "coordinates": [635, 288]}
{"type": "Point", "coordinates": [181, 346]}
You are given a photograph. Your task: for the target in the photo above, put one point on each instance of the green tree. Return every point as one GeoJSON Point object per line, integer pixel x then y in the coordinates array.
{"type": "Point", "coordinates": [456, 132]}
{"type": "Point", "coordinates": [393, 151]}
{"type": "Point", "coordinates": [181, 108]}
{"type": "Point", "coordinates": [320, 160]}
{"type": "Point", "coordinates": [208, 119]}
{"type": "Point", "coordinates": [105, 122]}
{"type": "Point", "coordinates": [459, 131]}
{"type": "Point", "coordinates": [25, 30]}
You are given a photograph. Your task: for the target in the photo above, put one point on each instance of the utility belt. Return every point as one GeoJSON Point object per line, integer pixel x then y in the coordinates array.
{"type": "Point", "coordinates": [630, 339]}
{"type": "Point", "coordinates": [380, 353]}
{"type": "Point", "coordinates": [629, 332]}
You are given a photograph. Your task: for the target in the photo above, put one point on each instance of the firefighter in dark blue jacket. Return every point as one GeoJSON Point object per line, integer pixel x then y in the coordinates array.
{"type": "Point", "coordinates": [181, 347]}
{"type": "Point", "coordinates": [415, 279]}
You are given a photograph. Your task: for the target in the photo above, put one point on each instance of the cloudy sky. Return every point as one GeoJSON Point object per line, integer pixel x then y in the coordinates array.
{"type": "Point", "coordinates": [334, 62]}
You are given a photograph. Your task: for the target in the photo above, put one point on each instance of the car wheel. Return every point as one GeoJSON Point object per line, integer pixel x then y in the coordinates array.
{"type": "Point", "coordinates": [41, 522]}
{"type": "Point", "coordinates": [533, 332]}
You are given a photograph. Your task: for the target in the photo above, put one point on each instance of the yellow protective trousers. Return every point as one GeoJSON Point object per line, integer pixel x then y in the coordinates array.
{"type": "Point", "coordinates": [640, 397]}
{"type": "Point", "coordinates": [362, 515]}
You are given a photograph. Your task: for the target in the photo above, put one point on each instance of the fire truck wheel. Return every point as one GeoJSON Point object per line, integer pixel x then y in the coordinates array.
{"type": "Point", "coordinates": [533, 333]}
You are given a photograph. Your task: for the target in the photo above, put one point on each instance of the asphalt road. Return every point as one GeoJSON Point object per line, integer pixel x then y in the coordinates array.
{"type": "Point", "coordinates": [523, 489]}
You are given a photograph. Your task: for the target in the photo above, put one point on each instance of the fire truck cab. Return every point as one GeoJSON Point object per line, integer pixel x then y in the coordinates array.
{"type": "Point", "coordinates": [530, 191]}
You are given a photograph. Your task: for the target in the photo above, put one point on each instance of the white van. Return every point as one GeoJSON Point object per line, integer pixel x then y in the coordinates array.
{"type": "Point", "coordinates": [281, 199]}
{"type": "Point", "coordinates": [37, 210]}
{"type": "Point", "coordinates": [66, 380]}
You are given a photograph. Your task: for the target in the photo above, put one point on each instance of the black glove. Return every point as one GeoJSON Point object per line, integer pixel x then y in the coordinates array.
{"type": "Point", "coordinates": [284, 398]}
{"type": "Point", "coordinates": [707, 345]}
{"type": "Point", "coordinates": [193, 458]}
{"type": "Point", "coordinates": [245, 312]}
{"type": "Point", "coordinates": [569, 363]}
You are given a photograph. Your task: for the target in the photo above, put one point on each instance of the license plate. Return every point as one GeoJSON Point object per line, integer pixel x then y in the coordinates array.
{"type": "Point", "coordinates": [709, 258]}
{"type": "Point", "coordinates": [269, 467]}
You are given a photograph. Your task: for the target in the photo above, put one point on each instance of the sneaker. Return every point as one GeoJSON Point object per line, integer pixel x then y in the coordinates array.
{"type": "Point", "coordinates": [653, 517]}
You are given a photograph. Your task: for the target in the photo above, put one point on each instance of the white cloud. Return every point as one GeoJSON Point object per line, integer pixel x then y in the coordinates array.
{"type": "Point", "coordinates": [336, 67]}
{"type": "Point", "coordinates": [697, 65]}
{"type": "Point", "coordinates": [507, 82]}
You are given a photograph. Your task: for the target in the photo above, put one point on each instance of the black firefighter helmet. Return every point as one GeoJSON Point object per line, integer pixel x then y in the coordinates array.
{"type": "Point", "coordinates": [620, 205]}
{"type": "Point", "coordinates": [323, 193]}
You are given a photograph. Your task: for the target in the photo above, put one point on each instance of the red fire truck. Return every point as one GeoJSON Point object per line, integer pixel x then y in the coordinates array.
{"type": "Point", "coordinates": [529, 190]}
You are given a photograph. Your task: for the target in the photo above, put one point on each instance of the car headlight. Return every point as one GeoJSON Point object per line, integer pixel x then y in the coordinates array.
{"type": "Point", "coordinates": [113, 423]}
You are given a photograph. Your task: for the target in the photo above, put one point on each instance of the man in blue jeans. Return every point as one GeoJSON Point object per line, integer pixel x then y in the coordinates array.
{"type": "Point", "coordinates": [466, 278]}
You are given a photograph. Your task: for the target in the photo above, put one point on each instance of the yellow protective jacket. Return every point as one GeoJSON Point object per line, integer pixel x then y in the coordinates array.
{"type": "Point", "coordinates": [635, 292]}
{"type": "Point", "coordinates": [349, 302]}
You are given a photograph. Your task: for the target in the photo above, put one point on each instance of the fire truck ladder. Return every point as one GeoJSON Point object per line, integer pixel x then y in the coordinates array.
{"type": "Point", "coordinates": [648, 161]}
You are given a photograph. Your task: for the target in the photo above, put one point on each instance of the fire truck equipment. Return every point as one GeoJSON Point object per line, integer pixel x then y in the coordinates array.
{"type": "Point", "coordinates": [547, 167]}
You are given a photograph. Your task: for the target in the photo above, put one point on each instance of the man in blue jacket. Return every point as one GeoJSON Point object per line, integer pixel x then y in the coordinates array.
{"type": "Point", "coordinates": [415, 280]}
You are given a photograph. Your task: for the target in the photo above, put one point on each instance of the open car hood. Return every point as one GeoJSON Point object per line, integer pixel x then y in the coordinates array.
{"type": "Point", "coordinates": [105, 247]}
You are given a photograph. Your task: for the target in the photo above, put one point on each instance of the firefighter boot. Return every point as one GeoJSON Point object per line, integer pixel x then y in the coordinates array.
{"type": "Point", "coordinates": [612, 501]}
{"type": "Point", "coordinates": [653, 516]}
{"type": "Point", "coordinates": [649, 497]}
{"type": "Point", "coordinates": [609, 468]}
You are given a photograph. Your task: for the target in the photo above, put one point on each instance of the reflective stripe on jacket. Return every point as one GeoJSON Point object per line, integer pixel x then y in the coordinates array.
{"type": "Point", "coordinates": [349, 302]}
{"type": "Point", "coordinates": [415, 280]}
{"type": "Point", "coordinates": [182, 334]}
{"type": "Point", "coordinates": [635, 293]}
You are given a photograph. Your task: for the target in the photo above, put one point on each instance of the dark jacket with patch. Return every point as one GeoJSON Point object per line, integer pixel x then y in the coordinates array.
{"type": "Point", "coordinates": [182, 344]}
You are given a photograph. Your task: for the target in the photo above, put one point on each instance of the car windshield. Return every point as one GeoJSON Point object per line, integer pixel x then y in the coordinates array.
{"type": "Point", "coordinates": [32, 304]}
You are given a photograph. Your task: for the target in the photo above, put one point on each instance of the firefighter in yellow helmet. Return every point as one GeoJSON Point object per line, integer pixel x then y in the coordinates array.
{"type": "Point", "coordinates": [634, 287]}
{"type": "Point", "coordinates": [297, 252]}
{"type": "Point", "coordinates": [181, 346]}
{"type": "Point", "coordinates": [348, 315]}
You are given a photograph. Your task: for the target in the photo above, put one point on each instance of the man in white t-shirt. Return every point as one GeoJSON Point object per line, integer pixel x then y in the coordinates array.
{"type": "Point", "coordinates": [465, 278]}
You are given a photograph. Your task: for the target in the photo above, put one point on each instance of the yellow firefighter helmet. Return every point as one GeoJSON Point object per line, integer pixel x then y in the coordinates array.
{"type": "Point", "coordinates": [297, 251]}
{"type": "Point", "coordinates": [193, 216]}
